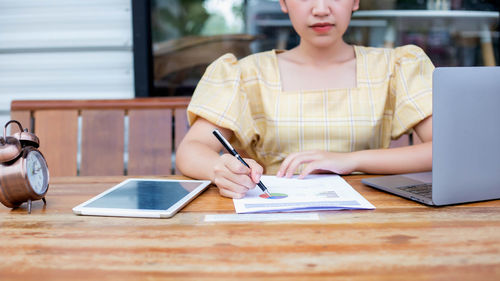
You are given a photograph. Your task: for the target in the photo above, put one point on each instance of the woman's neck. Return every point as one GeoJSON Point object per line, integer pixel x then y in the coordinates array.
{"type": "Point", "coordinates": [306, 68]}
{"type": "Point", "coordinates": [334, 54]}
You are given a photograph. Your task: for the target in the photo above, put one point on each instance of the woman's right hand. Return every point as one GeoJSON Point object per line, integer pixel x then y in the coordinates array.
{"type": "Point", "coordinates": [233, 178]}
{"type": "Point", "coordinates": [198, 157]}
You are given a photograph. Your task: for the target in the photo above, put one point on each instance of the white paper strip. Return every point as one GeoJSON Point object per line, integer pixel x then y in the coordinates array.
{"type": "Point", "coordinates": [262, 217]}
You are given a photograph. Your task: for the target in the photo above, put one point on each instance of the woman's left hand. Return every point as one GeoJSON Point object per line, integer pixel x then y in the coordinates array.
{"type": "Point", "coordinates": [317, 161]}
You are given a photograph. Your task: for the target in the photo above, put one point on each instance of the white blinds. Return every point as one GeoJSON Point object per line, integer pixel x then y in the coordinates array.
{"type": "Point", "coordinates": [65, 49]}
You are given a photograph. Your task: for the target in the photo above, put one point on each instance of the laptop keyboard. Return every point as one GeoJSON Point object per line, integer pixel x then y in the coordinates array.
{"type": "Point", "coordinates": [424, 190]}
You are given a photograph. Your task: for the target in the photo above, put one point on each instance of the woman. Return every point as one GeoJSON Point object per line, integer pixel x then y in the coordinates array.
{"type": "Point", "coordinates": [323, 106]}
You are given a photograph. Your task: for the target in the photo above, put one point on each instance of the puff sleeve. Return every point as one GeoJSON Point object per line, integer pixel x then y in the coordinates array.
{"type": "Point", "coordinates": [221, 99]}
{"type": "Point", "coordinates": [410, 89]}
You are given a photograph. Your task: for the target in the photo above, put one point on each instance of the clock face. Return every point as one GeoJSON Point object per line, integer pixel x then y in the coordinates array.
{"type": "Point", "coordinates": [37, 171]}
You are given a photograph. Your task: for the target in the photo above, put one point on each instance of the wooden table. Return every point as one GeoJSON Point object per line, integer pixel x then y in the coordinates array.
{"type": "Point", "coordinates": [400, 240]}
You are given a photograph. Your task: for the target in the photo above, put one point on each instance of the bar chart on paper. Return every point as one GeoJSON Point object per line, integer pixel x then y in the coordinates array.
{"type": "Point", "coordinates": [315, 192]}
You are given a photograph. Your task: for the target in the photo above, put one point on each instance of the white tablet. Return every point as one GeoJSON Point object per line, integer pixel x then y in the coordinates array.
{"type": "Point", "coordinates": [147, 198]}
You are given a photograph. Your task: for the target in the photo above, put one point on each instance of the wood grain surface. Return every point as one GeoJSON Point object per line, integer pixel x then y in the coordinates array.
{"type": "Point", "coordinates": [400, 240]}
{"type": "Point", "coordinates": [150, 142]}
{"type": "Point", "coordinates": [58, 134]}
{"type": "Point", "coordinates": [102, 142]}
{"type": "Point", "coordinates": [87, 137]}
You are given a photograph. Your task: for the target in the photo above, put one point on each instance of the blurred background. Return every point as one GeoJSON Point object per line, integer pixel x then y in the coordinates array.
{"type": "Point", "coordinates": [189, 34]}
{"type": "Point", "coordinates": [93, 49]}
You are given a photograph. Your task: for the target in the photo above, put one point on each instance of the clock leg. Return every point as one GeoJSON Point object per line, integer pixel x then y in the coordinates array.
{"type": "Point", "coordinates": [29, 206]}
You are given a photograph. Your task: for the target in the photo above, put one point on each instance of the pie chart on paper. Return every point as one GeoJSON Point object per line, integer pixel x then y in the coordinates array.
{"type": "Point", "coordinates": [274, 196]}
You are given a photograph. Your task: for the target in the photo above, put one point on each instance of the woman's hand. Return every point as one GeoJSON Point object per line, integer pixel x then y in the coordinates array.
{"type": "Point", "coordinates": [198, 157]}
{"type": "Point", "coordinates": [233, 178]}
{"type": "Point", "coordinates": [318, 161]}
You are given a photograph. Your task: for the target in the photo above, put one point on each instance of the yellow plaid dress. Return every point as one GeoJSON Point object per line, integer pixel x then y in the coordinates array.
{"type": "Point", "coordinates": [393, 94]}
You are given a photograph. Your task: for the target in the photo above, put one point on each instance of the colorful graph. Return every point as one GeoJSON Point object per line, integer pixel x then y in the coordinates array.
{"type": "Point", "coordinates": [274, 196]}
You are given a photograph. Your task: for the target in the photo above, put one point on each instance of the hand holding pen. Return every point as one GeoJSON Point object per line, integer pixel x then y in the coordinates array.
{"type": "Point", "coordinates": [233, 152]}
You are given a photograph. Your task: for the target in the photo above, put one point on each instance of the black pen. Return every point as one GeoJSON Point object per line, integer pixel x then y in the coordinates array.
{"type": "Point", "coordinates": [233, 152]}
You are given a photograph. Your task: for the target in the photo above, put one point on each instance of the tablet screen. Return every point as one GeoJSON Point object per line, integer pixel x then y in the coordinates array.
{"type": "Point", "coordinates": [148, 195]}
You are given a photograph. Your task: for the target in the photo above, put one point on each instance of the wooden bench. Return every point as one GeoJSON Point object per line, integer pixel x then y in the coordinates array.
{"type": "Point", "coordinates": [110, 137]}
{"type": "Point", "coordinates": [106, 137]}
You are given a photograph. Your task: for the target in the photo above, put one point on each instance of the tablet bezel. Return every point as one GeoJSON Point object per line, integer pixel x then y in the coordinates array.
{"type": "Point", "coordinates": [142, 213]}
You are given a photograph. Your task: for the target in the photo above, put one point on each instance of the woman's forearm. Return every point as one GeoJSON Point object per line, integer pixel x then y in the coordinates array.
{"type": "Point", "coordinates": [414, 158]}
{"type": "Point", "coordinates": [196, 160]}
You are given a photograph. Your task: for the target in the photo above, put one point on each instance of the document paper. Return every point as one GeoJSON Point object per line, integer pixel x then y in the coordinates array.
{"type": "Point", "coordinates": [313, 193]}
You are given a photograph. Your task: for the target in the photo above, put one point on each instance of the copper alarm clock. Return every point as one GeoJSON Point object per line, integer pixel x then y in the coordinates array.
{"type": "Point", "coordinates": [24, 175]}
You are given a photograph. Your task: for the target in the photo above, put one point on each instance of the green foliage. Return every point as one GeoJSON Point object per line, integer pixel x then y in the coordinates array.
{"type": "Point", "coordinates": [177, 18]}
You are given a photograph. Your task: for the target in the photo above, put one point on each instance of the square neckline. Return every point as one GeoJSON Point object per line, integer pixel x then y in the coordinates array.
{"type": "Point", "coordinates": [356, 57]}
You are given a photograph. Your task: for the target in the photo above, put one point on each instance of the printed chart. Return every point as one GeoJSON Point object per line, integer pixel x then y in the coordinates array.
{"type": "Point", "coordinates": [274, 196]}
{"type": "Point", "coordinates": [314, 193]}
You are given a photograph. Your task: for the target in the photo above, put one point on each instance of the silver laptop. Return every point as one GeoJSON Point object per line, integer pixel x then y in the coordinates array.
{"type": "Point", "coordinates": [466, 141]}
